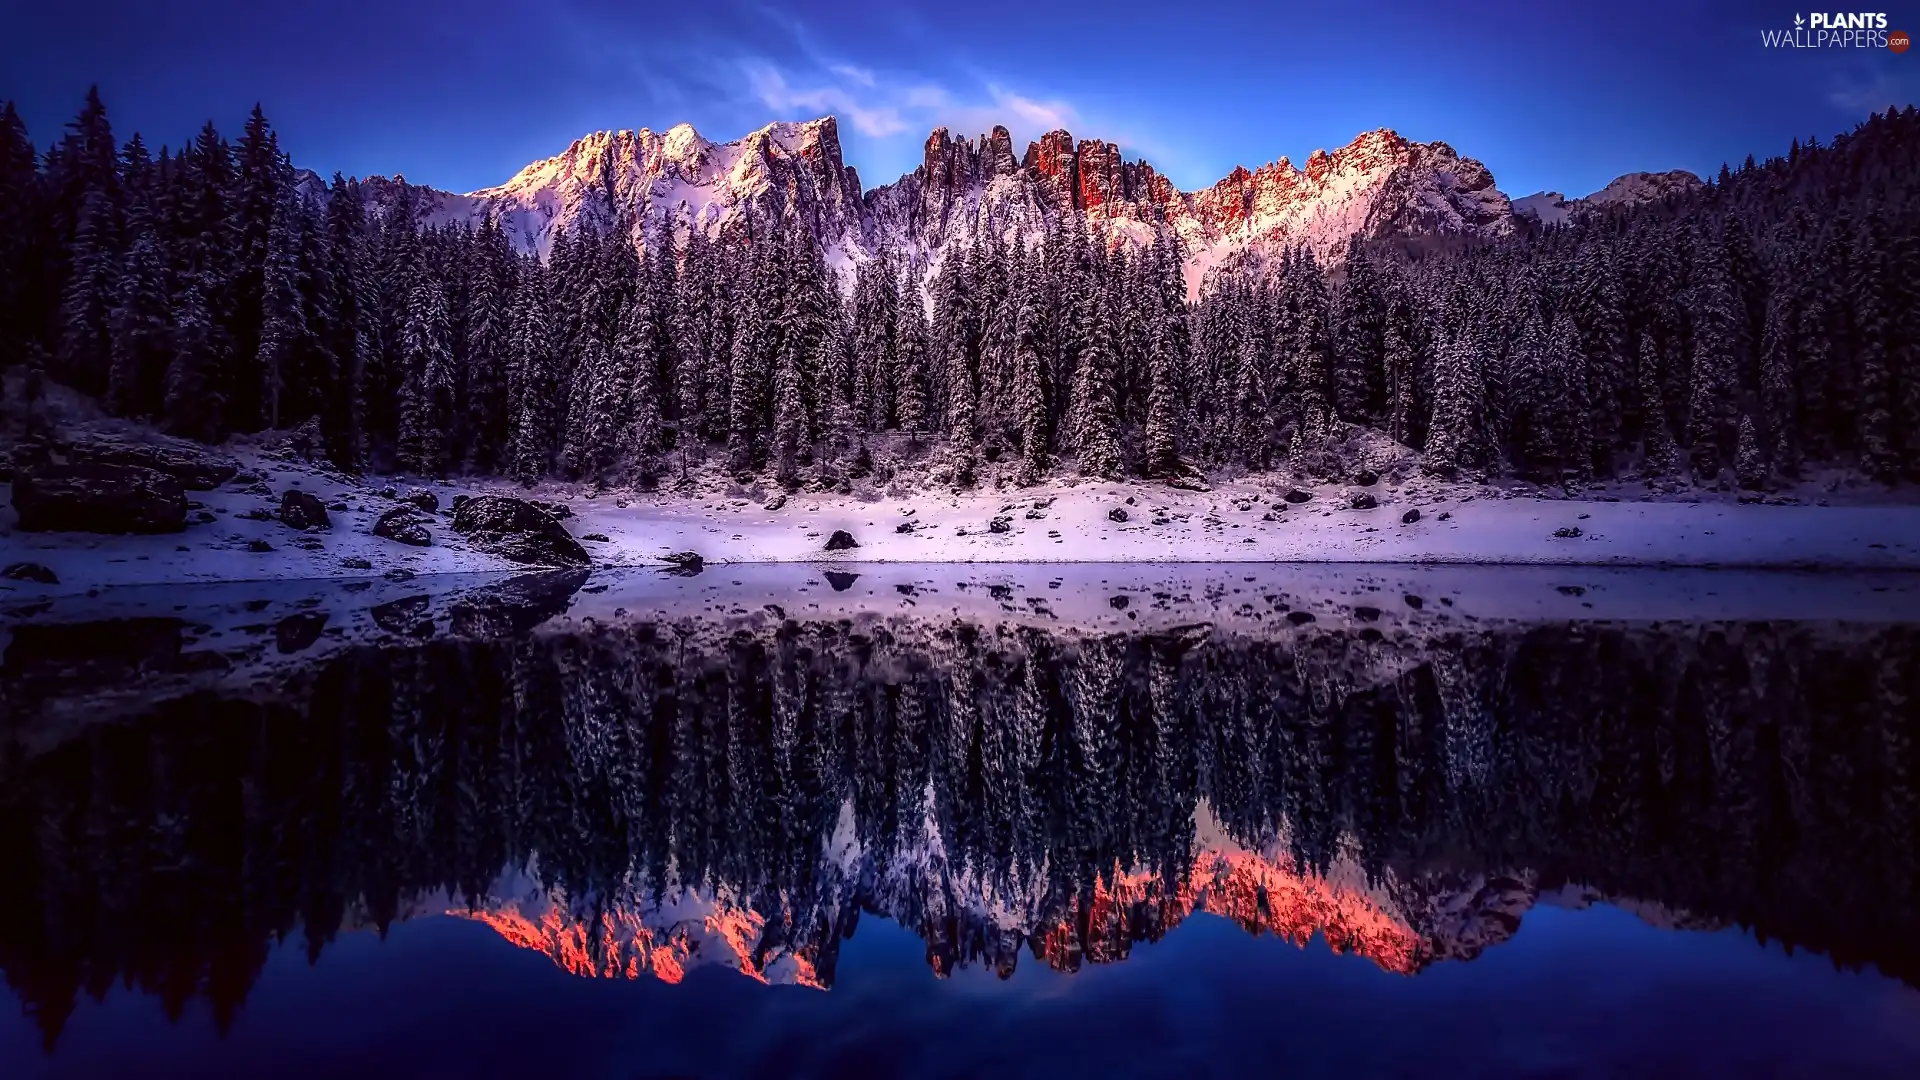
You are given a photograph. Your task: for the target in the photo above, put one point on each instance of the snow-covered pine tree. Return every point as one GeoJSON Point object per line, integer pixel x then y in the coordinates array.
{"type": "Point", "coordinates": [283, 331]}
{"type": "Point", "coordinates": [141, 320]}
{"type": "Point", "coordinates": [532, 386]}
{"type": "Point", "coordinates": [194, 404]}
{"type": "Point", "coordinates": [426, 397]}
{"type": "Point", "coordinates": [1712, 395]}
{"type": "Point", "coordinates": [1029, 367]}
{"type": "Point", "coordinates": [1095, 419]}
{"type": "Point", "coordinates": [915, 367]}
{"type": "Point", "coordinates": [1359, 324]}
{"type": "Point", "coordinates": [1659, 456]}
{"type": "Point", "coordinates": [490, 267]}
{"type": "Point", "coordinates": [1750, 461]}
{"type": "Point", "coordinates": [25, 270]}
{"type": "Point", "coordinates": [1456, 439]}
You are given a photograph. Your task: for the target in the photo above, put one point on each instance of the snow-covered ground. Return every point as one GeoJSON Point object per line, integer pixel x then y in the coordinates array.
{"type": "Point", "coordinates": [1061, 521]}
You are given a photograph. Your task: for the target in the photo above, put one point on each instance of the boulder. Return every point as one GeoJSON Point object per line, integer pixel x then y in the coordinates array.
{"type": "Point", "coordinates": [259, 547]}
{"type": "Point", "coordinates": [422, 499]}
{"type": "Point", "coordinates": [518, 531]}
{"type": "Point", "coordinates": [404, 524]}
{"type": "Point", "coordinates": [30, 571]}
{"type": "Point", "coordinates": [1362, 500]}
{"type": "Point", "coordinates": [688, 563]}
{"type": "Point", "coordinates": [1295, 495]}
{"type": "Point", "coordinates": [841, 540]}
{"type": "Point", "coordinates": [190, 465]}
{"type": "Point", "coordinates": [1409, 517]}
{"type": "Point", "coordinates": [458, 499]}
{"type": "Point", "coordinates": [304, 510]}
{"type": "Point", "coordinates": [1118, 513]}
{"type": "Point", "coordinates": [98, 498]}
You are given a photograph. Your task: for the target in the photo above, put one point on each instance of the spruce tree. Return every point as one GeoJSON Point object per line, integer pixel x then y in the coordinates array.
{"type": "Point", "coordinates": [426, 397]}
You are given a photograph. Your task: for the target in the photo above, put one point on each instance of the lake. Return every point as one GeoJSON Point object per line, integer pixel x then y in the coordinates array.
{"type": "Point", "coordinates": [956, 821]}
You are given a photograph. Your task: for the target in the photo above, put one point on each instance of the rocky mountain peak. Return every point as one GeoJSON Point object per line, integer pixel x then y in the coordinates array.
{"type": "Point", "coordinates": [1379, 184]}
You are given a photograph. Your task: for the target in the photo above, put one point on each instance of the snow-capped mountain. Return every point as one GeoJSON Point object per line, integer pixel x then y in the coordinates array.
{"type": "Point", "coordinates": [1379, 185]}
{"type": "Point", "coordinates": [1553, 208]}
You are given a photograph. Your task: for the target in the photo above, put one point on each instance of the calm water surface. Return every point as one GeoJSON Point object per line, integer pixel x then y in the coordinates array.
{"type": "Point", "coordinates": [423, 831]}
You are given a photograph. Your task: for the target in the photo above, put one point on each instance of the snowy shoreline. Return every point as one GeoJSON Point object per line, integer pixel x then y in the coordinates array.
{"type": "Point", "coordinates": [1058, 522]}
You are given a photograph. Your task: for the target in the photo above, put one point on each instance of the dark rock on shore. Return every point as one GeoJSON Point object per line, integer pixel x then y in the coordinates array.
{"type": "Point", "coordinates": [98, 498]}
{"type": "Point", "coordinates": [518, 531]}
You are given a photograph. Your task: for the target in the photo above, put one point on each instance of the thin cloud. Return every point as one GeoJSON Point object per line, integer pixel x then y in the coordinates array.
{"type": "Point", "coordinates": [1879, 94]}
{"type": "Point", "coordinates": [774, 90]}
{"type": "Point", "coordinates": [882, 106]}
{"type": "Point", "coordinates": [858, 75]}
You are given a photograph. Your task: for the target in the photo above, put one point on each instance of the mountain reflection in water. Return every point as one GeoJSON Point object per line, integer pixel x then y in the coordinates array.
{"type": "Point", "coordinates": [638, 797]}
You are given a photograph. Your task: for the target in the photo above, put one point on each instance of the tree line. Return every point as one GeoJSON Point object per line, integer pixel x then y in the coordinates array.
{"type": "Point", "coordinates": [1753, 330]}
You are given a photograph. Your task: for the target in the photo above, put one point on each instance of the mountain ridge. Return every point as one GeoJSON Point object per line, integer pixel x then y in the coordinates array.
{"type": "Point", "coordinates": [1380, 185]}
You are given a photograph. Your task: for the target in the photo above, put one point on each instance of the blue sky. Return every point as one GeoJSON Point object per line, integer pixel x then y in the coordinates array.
{"type": "Point", "coordinates": [461, 94]}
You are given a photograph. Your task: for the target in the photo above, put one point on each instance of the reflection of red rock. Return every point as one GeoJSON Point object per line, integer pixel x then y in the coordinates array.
{"type": "Point", "coordinates": [620, 944]}
{"type": "Point", "coordinates": [1260, 896]}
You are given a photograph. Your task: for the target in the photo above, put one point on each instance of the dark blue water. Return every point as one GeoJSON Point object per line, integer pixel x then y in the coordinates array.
{"type": "Point", "coordinates": [1537, 849]}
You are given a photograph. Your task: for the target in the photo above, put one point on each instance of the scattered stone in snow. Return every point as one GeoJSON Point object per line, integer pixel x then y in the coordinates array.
{"type": "Point", "coordinates": [904, 527]}
{"type": "Point", "coordinates": [1295, 495]}
{"type": "Point", "coordinates": [1568, 532]}
{"type": "Point", "coordinates": [403, 524]}
{"type": "Point", "coordinates": [356, 563]}
{"type": "Point", "coordinates": [517, 531]}
{"type": "Point", "coordinates": [1571, 590]}
{"type": "Point", "coordinates": [423, 499]}
{"type": "Point", "coordinates": [1410, 517]}
{"type": "Point", "coordinates": [1366, 613]}
{"type": "Point", "coordinates": [841, 540]}
{"type": "Point", "coordinates": [259, 546]}
{"type": "Point", "coordinates": [1446, 515]}
{"type": "Point", "coordinates": [1366, 478]}
{"type": "Point", "coordinates": [775, 503]}
{"type": "Point", "coordinates": [1362, 500]}
{"type": "Point", "coordinates": [398, 573]}
{"type": "Point", "coordinates": [1300, 618]}
{"type": "Point", "coordinates": [458, 499]}
{"type": "Point", "coordinates": [1000, 525]}
{"type": "Point", "coordinates": [598, 538]}
{"type": "Point", "coordinates": [303, 510]}
{"type": "Point", "coordinates": [1118, 513]}
{"type": "Point", "coordinates": [258, 513]}
{"type": "Point", "coordinates": [30, 571]}
{"type": "Point", "coordinates": [1118, 603]}
{"type": "Point", "coordinates": [1414, 602]}
{"type": "Point", "coordinates": [685, 563]}
{"type": "Point", "coordinates": [556, 511]}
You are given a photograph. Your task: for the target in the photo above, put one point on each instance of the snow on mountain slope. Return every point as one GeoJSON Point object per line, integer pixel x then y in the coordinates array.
{"type": "Point", "coordinates": [1553, 208]}
{"type": "Point", "coordinates": [1379, 185]}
